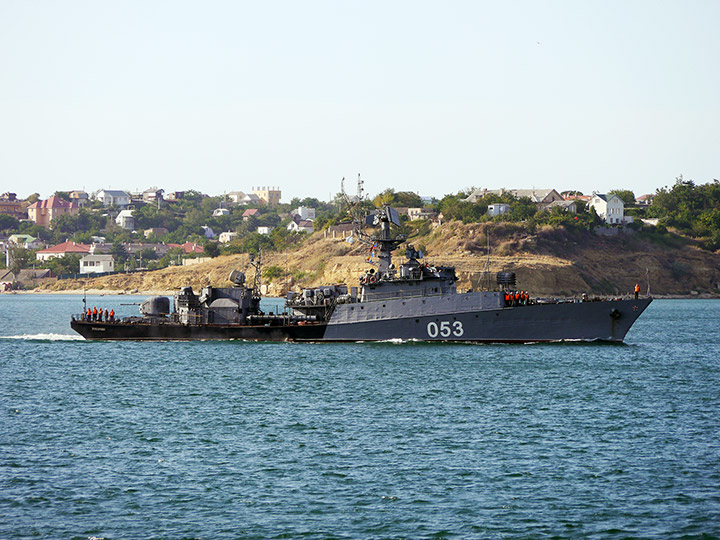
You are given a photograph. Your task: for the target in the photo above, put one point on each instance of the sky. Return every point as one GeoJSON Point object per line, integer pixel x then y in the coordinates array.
{"type": "Point", "coordinates": [430, 97]}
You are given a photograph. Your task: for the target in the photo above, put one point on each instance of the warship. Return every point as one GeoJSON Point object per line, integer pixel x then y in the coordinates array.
{"type": "Point", "coordinates": [413, 301]}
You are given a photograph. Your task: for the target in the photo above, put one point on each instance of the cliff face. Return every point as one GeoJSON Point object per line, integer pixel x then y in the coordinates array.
{"type": "Point", "coordinates": [547, 262]}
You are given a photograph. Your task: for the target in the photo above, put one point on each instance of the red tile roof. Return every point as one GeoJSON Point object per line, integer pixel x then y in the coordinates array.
{"type": "Point", "coordinates": [189, 247]}
{"type": "Point", "coordinates": [250, 212]}
{"type": "Point", "coordinates": [53, 202]}
{"type": "Point", "coordinates": [67, 247]}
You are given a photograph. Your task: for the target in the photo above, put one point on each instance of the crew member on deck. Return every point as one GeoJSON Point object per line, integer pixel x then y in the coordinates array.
{"type": "Point", "coordinates": [112, 314]}
{"type": "Point", "coordinates": [637, 290]}
{"type": "Point", "coordinates": [106, 315]}
{"type": "Point", "coordinates": [94, 313]}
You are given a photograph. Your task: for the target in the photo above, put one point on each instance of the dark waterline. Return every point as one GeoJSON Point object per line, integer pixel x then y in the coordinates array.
{"type": "Point", "coordinates": [383, 440]}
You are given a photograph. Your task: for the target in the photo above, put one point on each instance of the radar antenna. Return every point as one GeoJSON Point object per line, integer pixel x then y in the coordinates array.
{"type": "Point", "coordinates": [385, 243]}
{"type": "Point", "coordinates": [352, 206]}
{"type": "Point", "coordinates": [257, 265]}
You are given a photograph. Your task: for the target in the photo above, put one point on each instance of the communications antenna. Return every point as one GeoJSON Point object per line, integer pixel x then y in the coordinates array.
{"type": "Point", "coordinates": [486, 270]}
{"type": "Point", "coordinates": [257, 265]}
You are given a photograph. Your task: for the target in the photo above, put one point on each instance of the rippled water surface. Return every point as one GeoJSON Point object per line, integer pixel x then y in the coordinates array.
{"type": "Point", "coordinates": [243, 440]}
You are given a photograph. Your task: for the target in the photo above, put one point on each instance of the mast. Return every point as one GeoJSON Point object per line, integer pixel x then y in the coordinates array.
{"type": "Point", "coordinates": [385, 242]}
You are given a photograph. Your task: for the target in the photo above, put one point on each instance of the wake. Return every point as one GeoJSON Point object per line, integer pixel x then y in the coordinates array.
{"type": "Point", "coordinates": [46, 337]}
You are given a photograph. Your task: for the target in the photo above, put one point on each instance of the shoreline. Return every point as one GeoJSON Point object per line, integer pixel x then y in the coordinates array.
{"type": "Point", "coordinates": [136, 292]}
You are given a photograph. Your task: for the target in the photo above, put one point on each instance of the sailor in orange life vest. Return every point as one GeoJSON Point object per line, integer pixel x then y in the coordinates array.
{"type": "Point", "coordinates": [637, 291]}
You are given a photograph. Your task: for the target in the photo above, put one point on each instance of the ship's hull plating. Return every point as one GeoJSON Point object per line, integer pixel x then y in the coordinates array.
{"type": "Point", "coordinates": [182, 332]}
{"type": "Point", "coordinates": [586, 321]}
{"type": "Point", "coordinates": [431, 321]}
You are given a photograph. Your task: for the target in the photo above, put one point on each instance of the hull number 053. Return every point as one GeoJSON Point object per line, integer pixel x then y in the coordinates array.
{"type": "Point", "coordinates": [445, 329]}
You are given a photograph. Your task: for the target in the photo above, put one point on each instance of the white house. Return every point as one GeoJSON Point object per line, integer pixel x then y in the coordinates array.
{"type": "Point", "coordinates": [302, 225]}
{"type": "Point", "coordinates": [264, 230]}
{"type": "Point", "coordinates": [125, 219]}
{"type": "Point", "coordinates": [239, 197]}
{"type": "Point", "coordinates": [610, 208]}
{"type": "Point", "coordinates": [109, 197]}
{"type": "Point", "coordinates": [227, 236]}
{"type": "Point", "coordinates": [97, 264]}
{"type": "Point", "coordinates": [26, 241]}
{"type": "Point", "coordinates": [421, 213]}
{"type": "Point", "coordinates": [498, 209]}
{"type": "Point", "coordinates": [304, 212]}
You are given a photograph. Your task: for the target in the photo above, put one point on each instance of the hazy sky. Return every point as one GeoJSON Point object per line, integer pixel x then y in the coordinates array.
{"type": "Point", "coordinates": [424, 96]}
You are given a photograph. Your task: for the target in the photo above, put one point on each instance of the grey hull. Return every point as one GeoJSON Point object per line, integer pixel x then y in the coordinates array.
{"type": "Point", "coordinates": [439, 321]}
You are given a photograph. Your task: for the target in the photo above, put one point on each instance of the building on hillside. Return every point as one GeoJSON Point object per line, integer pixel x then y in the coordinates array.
{"type": "Point", "coordinates": [25, 241]}
{"type": "Point", "coordinates": [60, 250]}
{"type": "Point", "coordinates": [565, 206]}
{"type": "Point", "coordinates": [264, 230]}
{"type": "Point", "coordinates": [304, 212]}
{"type": "Point", "coordinates": [152, 195]}
{"type": "Point", "coordinates": [301, 225]}
{"type": "Point", "coordinates": [157, 231]}
{"type": "Point", "coordinates": [241, 198]}
{"type": "Point", "coordinates": [100, 248]}
{"type": "Point", "coordinates": [644, 200]}
{"type": "Point", "coordinates": [250, 212]}
{"type": "Point", "coordinates": [110, 197]}
{"type": "Point", "coordinates": [43, 212]}
{"type": "Point", "coordinates": [609, 207]}
{"type": "Point", "coordinates": [421, 213]}
{"type": "Point", "coordinates": [125, 219]}
{"type": "Point", "coordinates": [208, 232]}
{"type": "Point", "coordinates": [10, 205]}
{"type": "Point", "coordinates": [268, 195]}
{"type": "Point", "coordinates": [541, 197]}
{"type": "Point", "coordinates": [97, 264]}
{"type": "Point", "coordinates": [582, 198]}
{"type": "Point", "coordinates": [498, 209]}
{"type": "Point", "coordinates": [80, 198]}
{"type": "Point", "coordinates": [191, 247]}
{"type": "Point", "coordinates": [227, 236]}
{"type": "Point", "coordinates": [175, 196]}
{"type": "Point", "coordinates": [221, 212]}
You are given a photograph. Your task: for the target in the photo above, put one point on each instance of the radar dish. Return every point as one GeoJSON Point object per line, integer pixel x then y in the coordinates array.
{"type": "Point", "coordinates": [237, 277]}
{"type": "Point", "coordinates": [393, 216]}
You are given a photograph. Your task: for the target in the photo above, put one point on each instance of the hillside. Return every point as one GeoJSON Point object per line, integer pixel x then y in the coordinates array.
{"type": "Point", "coordinates": [549, 261]}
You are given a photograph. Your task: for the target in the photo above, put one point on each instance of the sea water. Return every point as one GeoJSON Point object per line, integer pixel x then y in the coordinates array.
{"type": "Point", "coordinates": [231, 439]}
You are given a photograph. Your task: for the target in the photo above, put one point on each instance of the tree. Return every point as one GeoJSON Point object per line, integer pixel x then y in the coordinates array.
{"type": "Point", "coordinates": [8, 223]}
{"type": "Point", "coordinates": [400, 198]}
{"type": "Point", "coordinates": [627, 196]}
{"type": "Point", "coordinates": [67, 264]}
{"type": "Point", "coordinates": [212, 249]}
{"type": "Point", "coordinates": [19, 259]}
{"type": "Point", "coordinates": [118, 252]}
